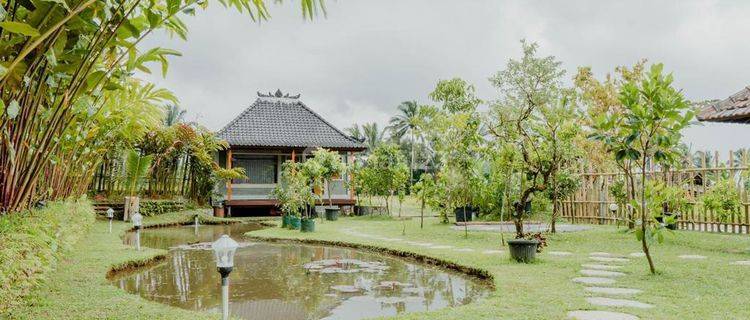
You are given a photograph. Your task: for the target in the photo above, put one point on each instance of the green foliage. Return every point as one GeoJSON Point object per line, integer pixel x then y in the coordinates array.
{"type": "Point", "coordinates": [648, 128]}
{"type": "Point", "coordinates": [537, 120]}
{"type": "Point", "coordinates": [662, 197]}
{"type": "Point", "coordinates": [618, 192]}
{"type": "Point", "coordinates": [723, 199]}
{"type": "Point", "coordinates": [456, 95]}
{"type": "Point", "coordinates": [33, 241]}
{"type": "Point", "coordinates": [331, 167]}
{"type": "Point", "coordinates": [136, 167]}
{"type": "Point", "coordinates": [385, 172]}
{"type": "Point", "coordinates": [293, 191]}
{"type": "Point", "coordinates": [150, 208]}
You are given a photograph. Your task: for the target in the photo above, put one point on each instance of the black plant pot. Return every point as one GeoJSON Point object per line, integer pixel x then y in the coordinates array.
{"type": "Point", "coordinates": [523, 250]}
{"type": "Point", "coordinates": [332, 214]}
{"type": "Point", "coordinates": [459, 212]}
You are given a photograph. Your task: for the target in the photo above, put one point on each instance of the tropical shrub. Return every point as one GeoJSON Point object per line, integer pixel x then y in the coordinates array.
{"type": "Point", "coordinates": [723, 199]}
{"type": "Point", "coordinates": [331, 167]}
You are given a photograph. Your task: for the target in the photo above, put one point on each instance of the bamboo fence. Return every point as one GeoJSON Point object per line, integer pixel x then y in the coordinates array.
{"type": "Point", "coordinates": [698, 173]}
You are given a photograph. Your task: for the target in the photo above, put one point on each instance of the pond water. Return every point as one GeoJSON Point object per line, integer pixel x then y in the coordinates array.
{"type": "Point", "coordinates": [292, 281]}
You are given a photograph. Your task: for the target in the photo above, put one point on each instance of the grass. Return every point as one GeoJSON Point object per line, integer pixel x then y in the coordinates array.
{"type": "Point", "coordinates": [683, 289]}
{"type": "Point", "coordinates": [78, 289]}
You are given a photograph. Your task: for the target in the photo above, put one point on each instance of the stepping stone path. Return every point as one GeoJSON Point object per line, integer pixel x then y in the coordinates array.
{"type": "Point", "coordinates": [559, 253]}
{"type": "Point", "coordinates": [464, 250]}
{"type": "Point", "coordinates": [610, 302]}
{"type": "Point", "coordinates": [594, 280]}
{"type": "Point", "coordinates": [613, 291]}
{"type": "Point", "coordinates": [637, 254]}
{"type": "Point", "coordinates": [606, 259]}
{"type": "Point", "coordinates": [440, 247]}
{"type": "Point", "coordinates": [599, 275]}
{"type": "Point", "coordinates": [692, 257]}
{"type": "Point", "coordinates": [741, 263]}
{"type": "Point", "coordinates": [599, 315]}
{"type": "Point", "coordinates": [600, 266]}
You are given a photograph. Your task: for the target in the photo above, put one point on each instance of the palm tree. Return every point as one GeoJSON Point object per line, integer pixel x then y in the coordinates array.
{"type": "Point", "coordinates": [173, 114]}
{"type": "Point", "coordinates": [355, 132]}
{"type": "Point", "coordinates": [373, 135]}
{"type": "Point", "coordinates": [407, 121]}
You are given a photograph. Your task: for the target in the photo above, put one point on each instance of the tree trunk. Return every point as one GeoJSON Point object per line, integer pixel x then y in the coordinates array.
{"type": "Point", "coordinates": [631, 195]}
{"type": "Point", "coordinates": [554, 215]}
{"type": "Point", "coordinates": [411, 164]}
{"type": "Point", "coordinates": [466, 224]}
{"type": "Point", "coordinates": [421, 215]}
{"type": "Point", "coordinates": [643, 218]}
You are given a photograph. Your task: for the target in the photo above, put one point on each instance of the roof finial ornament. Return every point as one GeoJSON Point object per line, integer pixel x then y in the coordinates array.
{"type": "Point", "coordinates": [277, 94]}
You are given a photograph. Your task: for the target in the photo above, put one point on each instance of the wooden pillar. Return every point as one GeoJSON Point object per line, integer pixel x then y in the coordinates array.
{"type": "Point", "coordinates": [229, 166]}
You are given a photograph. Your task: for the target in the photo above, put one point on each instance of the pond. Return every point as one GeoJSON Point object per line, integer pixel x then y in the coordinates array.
{"type": "Point", "coordinates": [292, 281]}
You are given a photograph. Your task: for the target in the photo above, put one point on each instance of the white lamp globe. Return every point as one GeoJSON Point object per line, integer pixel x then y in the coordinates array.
{"type": "Point", "coordinates": [613, 207]}
{"type": "Point", "coordinates": [224, 249]}
{"type": "Point", "coordinates": [137, 220]}
{"type": "Point", "coordinates": [110, 213]}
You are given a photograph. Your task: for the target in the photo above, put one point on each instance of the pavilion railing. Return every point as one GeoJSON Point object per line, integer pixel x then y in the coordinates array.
{"type": "Point", "coordinates": [698, 173]}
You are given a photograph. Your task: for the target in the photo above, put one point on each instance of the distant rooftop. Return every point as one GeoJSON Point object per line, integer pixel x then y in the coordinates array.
{"type": "Point", "coordinates": [282, 120]}
{"type": "Point", "coordinates": [735, 109]}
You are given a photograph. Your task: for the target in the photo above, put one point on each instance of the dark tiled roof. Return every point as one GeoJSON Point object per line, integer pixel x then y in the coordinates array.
{"type": "Point", "coordinates": [276, 120]}
{"type": "Point", "coordinates": [736, 108]}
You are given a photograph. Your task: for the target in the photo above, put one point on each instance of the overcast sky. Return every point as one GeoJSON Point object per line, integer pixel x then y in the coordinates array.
{"type": "Point", "coordinates": [358, 63]}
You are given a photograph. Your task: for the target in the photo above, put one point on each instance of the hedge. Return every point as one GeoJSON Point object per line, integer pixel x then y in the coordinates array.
{"type": "Point", "coordinates": [32, 243]}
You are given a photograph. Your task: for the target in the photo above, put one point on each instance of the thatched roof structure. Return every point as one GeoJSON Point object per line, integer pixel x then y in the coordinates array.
{"type": "Point", "coordinates": [734, 109]}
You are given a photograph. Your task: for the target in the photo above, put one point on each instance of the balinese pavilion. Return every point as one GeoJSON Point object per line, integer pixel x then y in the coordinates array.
{"type": "Point", "coordinates": [734, 109]}
{"type": "Point", "coordinates": [275, 128]}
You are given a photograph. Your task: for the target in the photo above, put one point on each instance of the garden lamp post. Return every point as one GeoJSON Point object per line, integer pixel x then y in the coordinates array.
{"type": "Point", "coordinates": [224, 249]}
{"type": "Point", "coordinates": [195, 225]}
{"type": "Point", "coordinates": [110, 216]}
{"type": "Point", "coordinates": [137, 219]}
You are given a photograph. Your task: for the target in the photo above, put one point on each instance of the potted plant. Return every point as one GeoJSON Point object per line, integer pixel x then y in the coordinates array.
{"type": "Point", "coordinates": [292, 193]}
{"type": "Point", "coordinates": [331, 167]}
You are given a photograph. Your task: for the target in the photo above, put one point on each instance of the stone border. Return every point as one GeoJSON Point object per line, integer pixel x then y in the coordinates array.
{"type": "Point", "coordinates": [481, 274]}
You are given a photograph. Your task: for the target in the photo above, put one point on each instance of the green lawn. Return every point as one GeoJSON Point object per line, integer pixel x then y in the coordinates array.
{"type": "Point", "coordinates": [78, 289]}
{"type": "Point", "coordinates": [684, 289]}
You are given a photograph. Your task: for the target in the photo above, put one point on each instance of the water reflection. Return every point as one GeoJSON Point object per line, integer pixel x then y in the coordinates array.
{"type": "Point", "coordinates": [269, 281]}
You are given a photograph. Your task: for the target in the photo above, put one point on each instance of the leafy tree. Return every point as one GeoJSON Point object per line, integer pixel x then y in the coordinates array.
{"type": "Point", "coordinates": [457, 142]}
{"type": "Point", "coordinates": [603, 98]}
{"type": "Point", "coordinates": [426, 191]}
{"type": "Point", "coordinates": [536, 119]}
{"type": "Point", "coordinates": [385, 173]}
{"type": "Point", "coordinates": [331, 167]}
{"type": "Point", "coordinates": [563, 184]}
{"type": "Point", "coordinates": [648, 130]}
{"type": "Point", "coordinates": [374, 136]}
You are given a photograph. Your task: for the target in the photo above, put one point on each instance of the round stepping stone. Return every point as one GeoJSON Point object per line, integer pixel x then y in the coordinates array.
{"type": "Point", "coordinates": [492, 251]}
{"type": "Point", "coordinates": [692, 257]}
{"type": "Point", "coordinates": [600, 254]}
{"type": "Point", "coordinates": [606, 259]}
{"type": "Point", "coordinates": [741, 263]}
{"type": "Point", "coordinates": [559, 253]}
{"type": "Point", "coordinates": [615, 291]}
{"type": "Point", "coordinates": [637, 254]}
{"type": "Point", "coordinates": [610, 302]}
{"type": "Point", "coordinates": [601, 273]}
{"type": "Point", "coordinates": [599, 315]}
{"type": "Point", "coordinates": [464, 250]}
{"type": "Point", "coordinates": [600, 266]}
{"type": "Point", "coordinates": [594, 280]}
{"type": "Point", "coordinates": [422, 244]}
